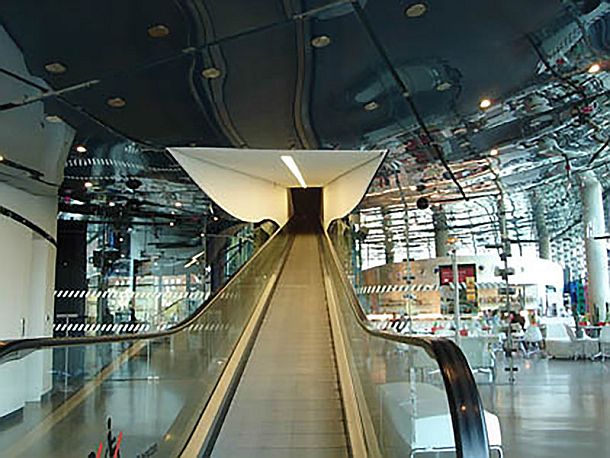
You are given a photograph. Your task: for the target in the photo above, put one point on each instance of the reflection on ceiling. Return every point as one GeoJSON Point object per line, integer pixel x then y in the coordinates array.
{"type": "Point", "coordinates": [473, 100]}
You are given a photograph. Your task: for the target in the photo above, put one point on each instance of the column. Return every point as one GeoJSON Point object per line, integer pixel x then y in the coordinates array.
{"type": "Point", "coordinates": [544, 239]}
{"type": "Point", "coordinates": [28, 227]}
{"type": "Point", "coordinates": [441, 232]}
{"type": "Point", "coordinates": [598, 289]}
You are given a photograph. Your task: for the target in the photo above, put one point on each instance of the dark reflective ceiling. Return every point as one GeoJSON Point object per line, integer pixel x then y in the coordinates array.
{"type": "Point", "coordinates": [273, 88]}
{"type": "Point", "coordinates": [404, 75]}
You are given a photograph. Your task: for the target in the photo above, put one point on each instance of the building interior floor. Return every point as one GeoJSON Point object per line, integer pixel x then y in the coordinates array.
{"type": "Point", "coordinates": [555, 408]}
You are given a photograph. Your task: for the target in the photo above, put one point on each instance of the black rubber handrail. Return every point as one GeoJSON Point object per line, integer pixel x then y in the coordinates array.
{"type": "Point", "coordinates": [16, 349]}
{"type": "Point", "coordinates": [465, 406]}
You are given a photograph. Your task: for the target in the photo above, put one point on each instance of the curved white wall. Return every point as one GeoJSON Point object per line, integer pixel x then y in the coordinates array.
{"type": "Point", "coordinates": [345, 192]}
{"type": "Point", "coordinates": [246, 197]}
{"type": "Point", "coordinates": [253, 185]}
{"type": "Point", "coordinates": [27, 270]}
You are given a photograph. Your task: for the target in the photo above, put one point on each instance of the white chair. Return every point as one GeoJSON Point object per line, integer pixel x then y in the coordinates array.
{"type": "Point", "coordinates": [585, 346]}
{"type": "Point", "coordinates": [532, 341]}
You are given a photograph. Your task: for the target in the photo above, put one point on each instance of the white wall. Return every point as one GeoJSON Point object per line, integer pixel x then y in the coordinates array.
{"type": "Point", "coordinates": [253, 185]}
{"type": "Point", "coordinates": [345, 192]}
{"type": "Point", "coordinates": [244, 196]}
{"type": "Point", "coordinates": [27, 260]}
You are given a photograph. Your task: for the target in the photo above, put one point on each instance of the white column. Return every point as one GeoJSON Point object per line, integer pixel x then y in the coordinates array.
{"type": "Point", "coordinates": [27, 260]}
{"type": "Point", "coordinates": [544, 239]}
{"type": "Point", "coordinates": [598, 288]}
{"type": "Point", "coordinates": [441, 232]}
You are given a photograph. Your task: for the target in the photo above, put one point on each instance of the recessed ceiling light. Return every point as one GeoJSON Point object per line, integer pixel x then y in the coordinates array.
{"type": "Point", "coordinates": [484, 103]}
{"type": "Point", "coordinates": [294, 169]}
{"type": "Point", "coordinates": [371, 106]}
{"type": "Point", "coordinates": [215, 218]}
{"type": "Point", "coordinates": [88, 184]}
{"type": "Point", "coordinates": [111, 204]}
{"type": "Point", "coordinates": [56, 68]}
{"type": "Point", "coordinates": [594, 68]}
{"type": "Point", "coordinates": [116, 102]}
{"type": "Point", "coordinates": [320, 41]}
{"type": "Point", "coordinates": [443, 86]}
{"type": "Point", "coordinates": [171, 224]}
{"type": "Point", "coordinates": [494, 152]}
{"type": "Point", "coordinates": [158, 31]}
{"type": "Point", "coordinates": [178, 204]}
{"type": "Point", "coordinates": [1, 157]}
{"type": "Point", "coordinates": [53, 118]}
{"type": "Point", "coordinates": [416, 9]}
{"type": "Point", "coordinates": [211, 73]}
{"type": "Point", "coordinates": [81, 149]}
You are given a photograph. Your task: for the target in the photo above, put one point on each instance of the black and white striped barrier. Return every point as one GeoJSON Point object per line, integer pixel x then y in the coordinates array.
{"type": "Point", "coordinates": [135, 327]}
{"type": "Point", "coordinates": [109, 162]}
{"type": "Point", "coordinates": [171, 295]}
{"type": "Point", "coordinates": [380, 289]}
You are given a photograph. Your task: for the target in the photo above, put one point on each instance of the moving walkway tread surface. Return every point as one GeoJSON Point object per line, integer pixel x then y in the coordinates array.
{"type": "Point", "coordinates": [288, 401]}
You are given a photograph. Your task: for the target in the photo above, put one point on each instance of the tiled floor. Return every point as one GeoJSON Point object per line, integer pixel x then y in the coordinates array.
{"type": "Point", "coordinates": [288, 402]}
{"type": "Point", "coordinates": [555, 409]}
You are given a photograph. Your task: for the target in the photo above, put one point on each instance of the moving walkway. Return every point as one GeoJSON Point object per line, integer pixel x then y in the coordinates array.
{"type": "Point", "coordinates": [280, 362]}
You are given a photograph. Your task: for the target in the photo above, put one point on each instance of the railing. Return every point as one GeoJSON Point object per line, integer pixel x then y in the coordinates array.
{"type": "Point", "coordinates": [153, 387]}
{"type": "Point", "coordinates": [415, 393]}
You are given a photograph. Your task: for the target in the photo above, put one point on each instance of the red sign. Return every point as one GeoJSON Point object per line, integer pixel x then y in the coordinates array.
{"type": "Point", "coordinates": [464, 271]}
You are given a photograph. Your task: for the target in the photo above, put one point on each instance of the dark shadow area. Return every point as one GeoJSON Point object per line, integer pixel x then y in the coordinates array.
{"type": "Point", "coordinates": [305, 210]}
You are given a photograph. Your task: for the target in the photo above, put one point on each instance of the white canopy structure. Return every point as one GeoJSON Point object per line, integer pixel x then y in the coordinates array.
{"type": "Point", "coordinates": [253, 185]}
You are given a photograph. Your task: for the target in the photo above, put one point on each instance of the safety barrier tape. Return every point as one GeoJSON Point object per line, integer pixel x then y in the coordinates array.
{"type": "Point", "coordinates": [79, 294]}
{"type": "Point", "coordinates": [92, 161]}
{"type": "Point", "coordinates": [134, 327]}
{"type": "Point", "coordinates": [380, 289]}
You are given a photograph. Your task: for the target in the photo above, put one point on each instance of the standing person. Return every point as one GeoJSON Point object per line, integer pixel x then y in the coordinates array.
{"type": "Point", "coordinates": [132, 311]}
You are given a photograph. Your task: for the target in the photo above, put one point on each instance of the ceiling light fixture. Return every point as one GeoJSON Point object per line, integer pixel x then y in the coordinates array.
{"type": "Point", "coordinates": [1, 157]}
{"type": "Point", "coordinates": [178, 204]}
{"type": "Point", "coordinates": [413, 188]}
{"type": "Point", "coordinates": [88, 184]}
{"type": "Point", "coordinates": [371, 106]}
{"type": "Point", "coordinates": [111, 204]}
{"type": "Point", "coordinates": [484, 104]}
{"type": "Point", "coordinates": [56, 68]}
{"type": "Point", "coordinates": [171, 224]}
{"type": "Point", "coordinates": [52, 118]}
{"type": "Point", "coordinates": [294, 169]}
{"type": "Point", "coordinates": [321, 41]}
{"type": "Point", "coordinates": [494, 152]}
{"type": "Point", "coordinates": [416, 10]}
{"type": "Point", "coordinates": [594, 68]}
{"type": "Point", "coordinates": [116, 102]}
{"type": "Point", "coordinates": [158, 31]}
{"type": "Point", "coordinates": [211, 73]}
{"type": "Point", "coordinates": [81, 149]}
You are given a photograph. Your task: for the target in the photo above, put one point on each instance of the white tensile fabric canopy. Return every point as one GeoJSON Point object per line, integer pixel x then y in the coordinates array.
{"type": "Point", "coordinates": [252, 184]}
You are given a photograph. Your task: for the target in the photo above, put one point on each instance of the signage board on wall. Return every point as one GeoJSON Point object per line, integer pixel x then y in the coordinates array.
{"type": "Point", "coordinates": [464, 271]}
